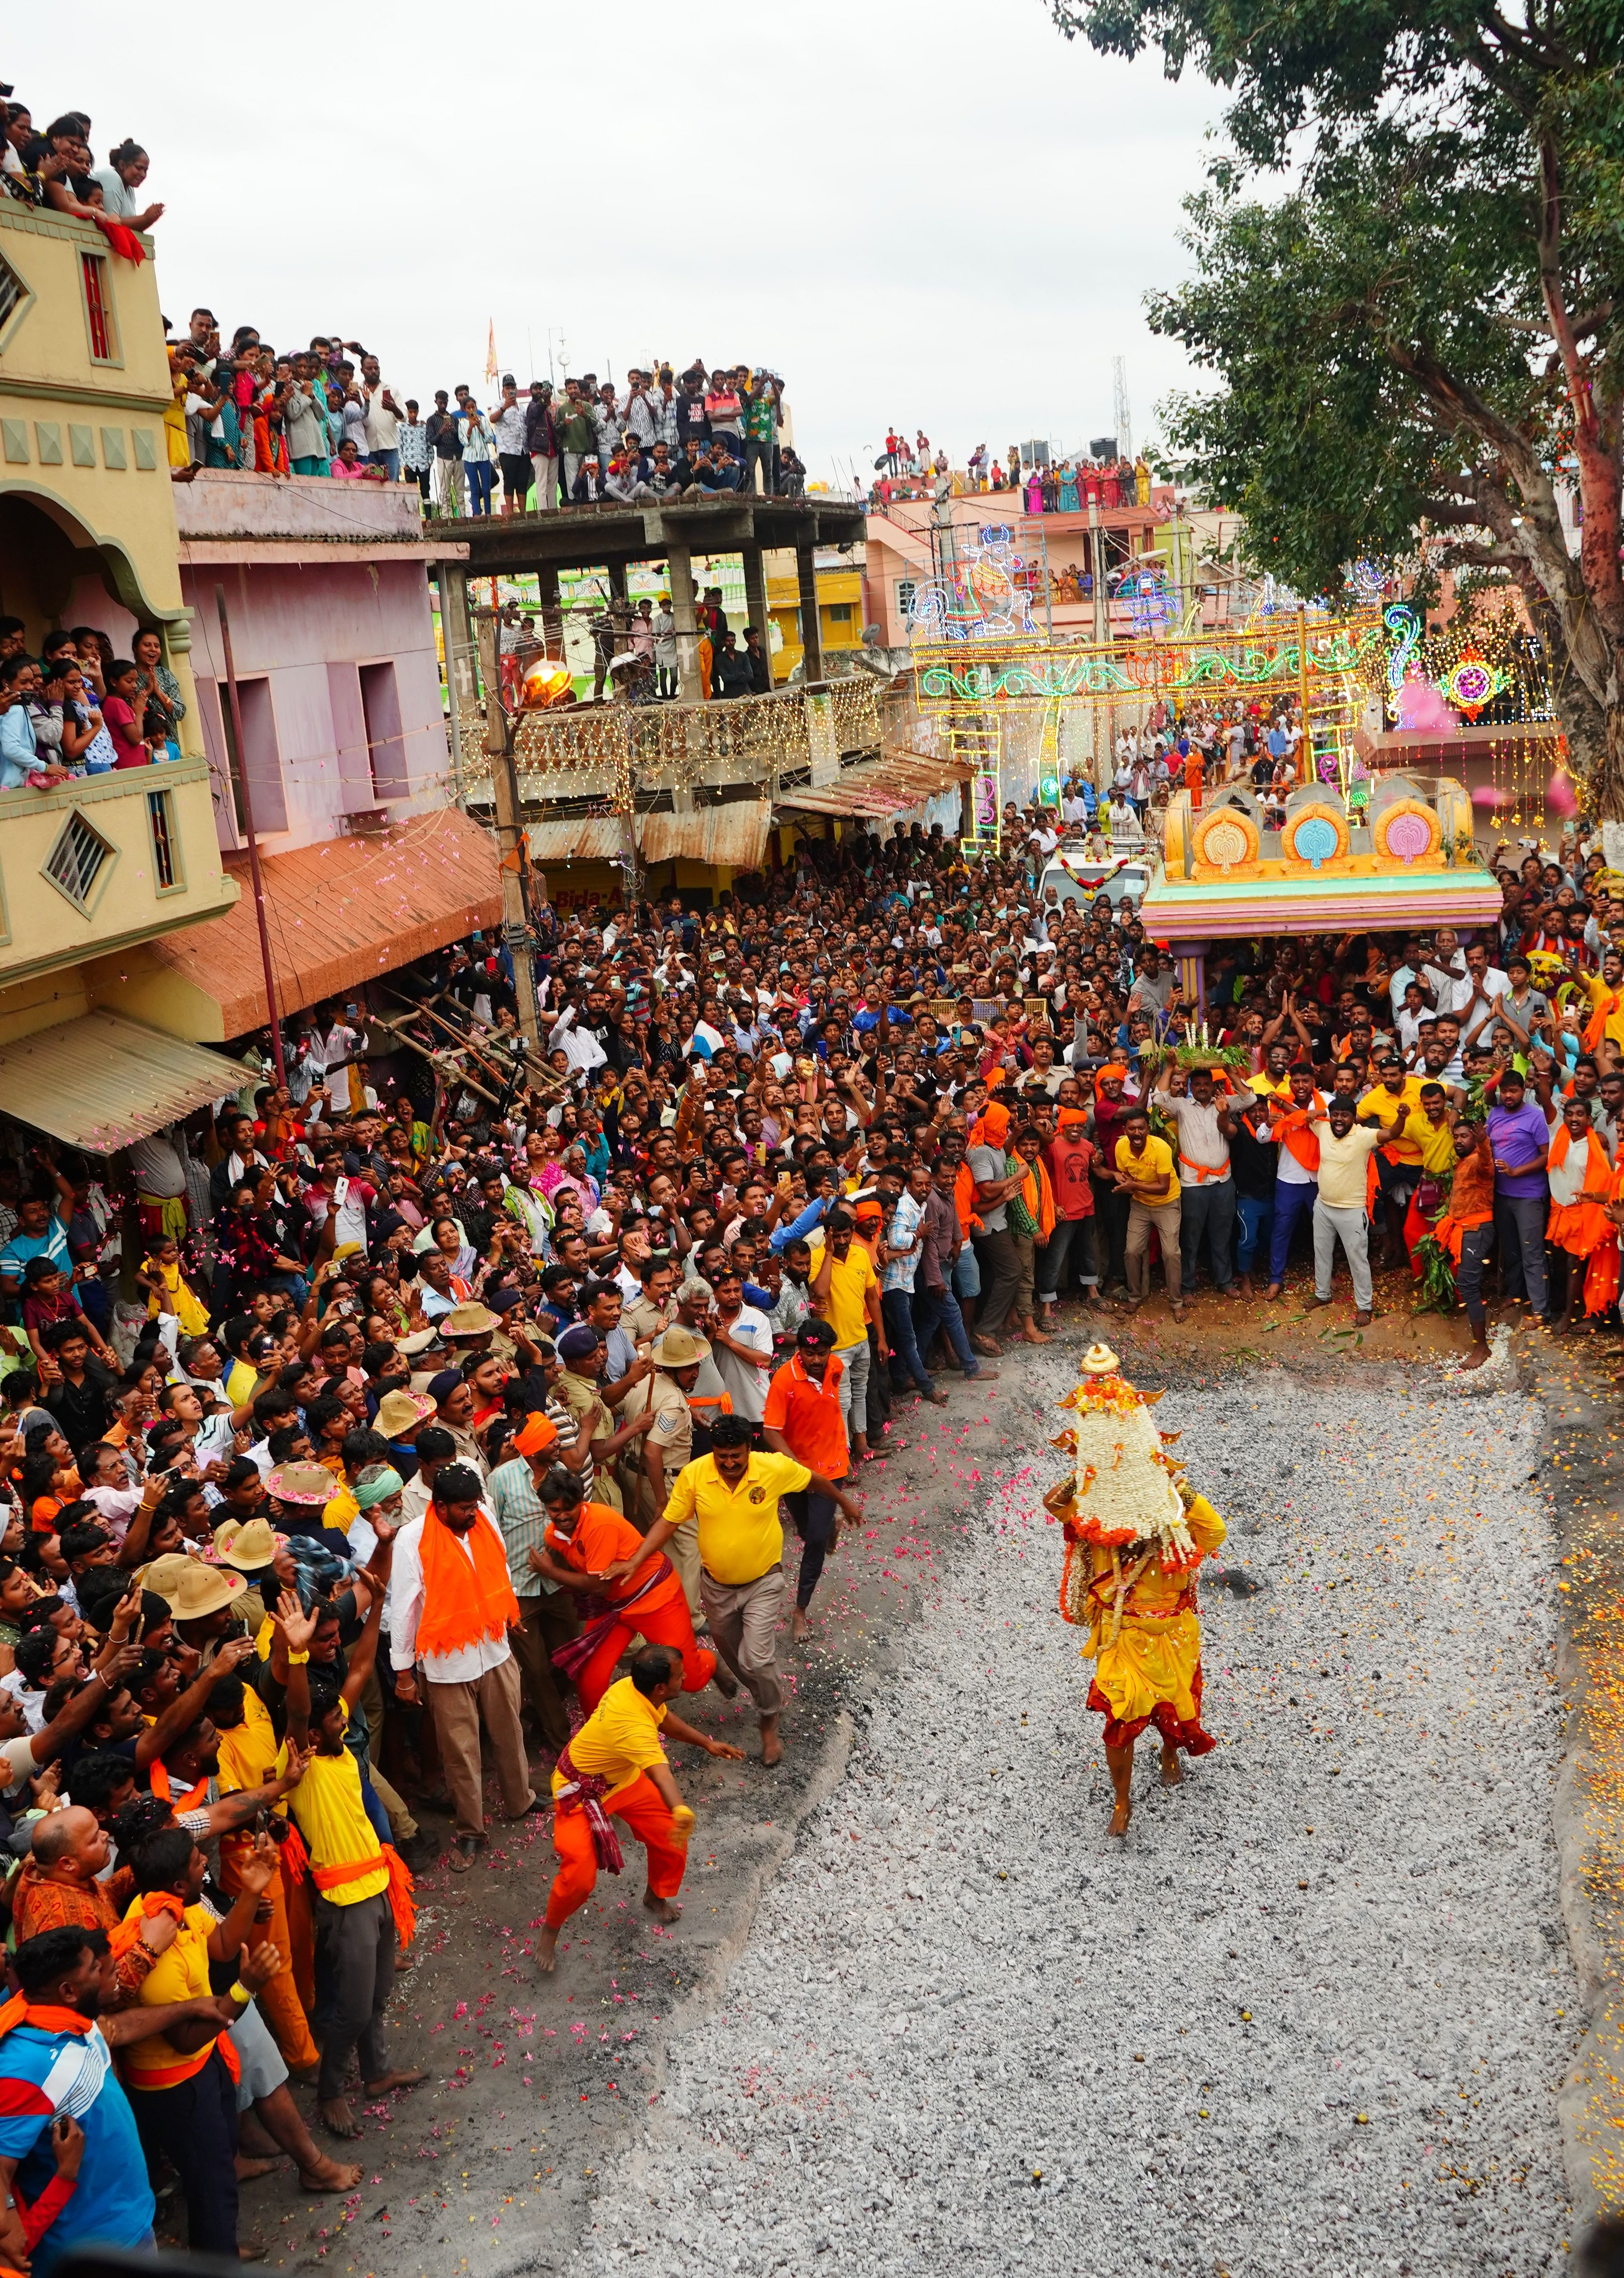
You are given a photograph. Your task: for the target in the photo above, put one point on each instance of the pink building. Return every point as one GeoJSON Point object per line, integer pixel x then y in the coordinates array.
{"type": "Point", "coordinates": [899, 556]}
{"type": "Point", "coordinates": [367, 861]}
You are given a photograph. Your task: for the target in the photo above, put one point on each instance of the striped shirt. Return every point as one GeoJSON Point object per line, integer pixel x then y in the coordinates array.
{"type": "Point", "coordinates": [521, 1514]}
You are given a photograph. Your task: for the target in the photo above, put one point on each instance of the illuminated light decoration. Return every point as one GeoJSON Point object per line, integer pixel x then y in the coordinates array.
{"type": "Point", "coordinates": [1474, 682]}
{"type": "Point", "coordinates": [1167, 670]}
{"type": "Point", "coordinates": [547, 680]}
{"type": "Point", "coordinates": [1318, 834]}
{"type": "Point", "coordinates": [985, 594]}
{"type": "Point", "coordinates": [1408, 832]}
{"type": "Point", "coordinates": [1150, 599]}
{"type": "Point", "coordinates": [1405, 627]}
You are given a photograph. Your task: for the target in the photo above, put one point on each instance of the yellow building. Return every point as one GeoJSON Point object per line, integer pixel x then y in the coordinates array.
{"type": "Point", "coordinates": [840, 610]}
{"type": "Point", "coordinates": [93, 870]}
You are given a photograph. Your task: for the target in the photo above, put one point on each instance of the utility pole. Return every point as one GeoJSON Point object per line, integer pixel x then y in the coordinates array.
{"type": "Point", "coordinates": [254, 879]}
{"type": "Point", "coordinates": [510, 827]}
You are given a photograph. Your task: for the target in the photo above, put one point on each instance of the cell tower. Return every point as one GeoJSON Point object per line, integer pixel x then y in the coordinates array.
{"type": "Point", "coordinates": [1124, 413]}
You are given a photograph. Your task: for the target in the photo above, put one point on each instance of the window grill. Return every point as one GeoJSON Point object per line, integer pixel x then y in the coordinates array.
{"type": "Point", "coordinates": [75, 861]}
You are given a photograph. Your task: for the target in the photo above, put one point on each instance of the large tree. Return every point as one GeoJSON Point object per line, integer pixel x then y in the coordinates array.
{"type": "Point", "coordinates": [1409, 282]}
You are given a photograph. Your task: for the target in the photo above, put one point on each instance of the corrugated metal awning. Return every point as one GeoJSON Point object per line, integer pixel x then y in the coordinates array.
{"type": "Point", "coordinates": [102, 1080]}
{"type": "Point", "coordinates": [586, 838]}
{"type": "Point", "coordinates": [732, 836]}
{"type": "Point", "coordinates": [878, 787]}
{"type": "Point", "coordinates": [341, 913]}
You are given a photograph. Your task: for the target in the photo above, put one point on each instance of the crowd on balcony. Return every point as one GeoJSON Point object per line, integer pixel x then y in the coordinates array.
{"type": "Point", "coordinates": [77, 709]}
{"type": "Point", "coordinates": [56, 171]}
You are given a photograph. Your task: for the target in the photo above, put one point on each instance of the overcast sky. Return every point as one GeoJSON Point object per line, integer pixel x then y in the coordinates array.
{"type": "Point", "coordinates": [918, 211]}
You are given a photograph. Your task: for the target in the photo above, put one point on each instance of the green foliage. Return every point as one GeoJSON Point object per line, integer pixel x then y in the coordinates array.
{"type": "Point", "coordinates": [1408, 289]}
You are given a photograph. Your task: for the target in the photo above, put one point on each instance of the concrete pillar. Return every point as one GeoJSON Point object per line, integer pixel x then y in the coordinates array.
{"type": "Point", "coordinates": [551, 607]}
{"type": "Point", "coordinates": [679, 562]}
{"type": "Point", "coordinates": [755, 597]}
{"type": "Point", "coordinates": [811, 623]}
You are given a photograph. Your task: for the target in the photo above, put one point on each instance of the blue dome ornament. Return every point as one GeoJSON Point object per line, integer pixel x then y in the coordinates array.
{"type": "Point", "coordinates": [1313, 841]}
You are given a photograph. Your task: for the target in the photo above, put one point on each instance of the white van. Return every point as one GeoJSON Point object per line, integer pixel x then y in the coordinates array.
{"type": "Point", "coordinates": [1080, 881]}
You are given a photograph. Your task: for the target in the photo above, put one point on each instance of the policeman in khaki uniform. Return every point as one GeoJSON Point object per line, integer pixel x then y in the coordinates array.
{"type": "Point", "coordinates": [668, 1444]}
{"type": "Point", "coordinates": [649, 1313]}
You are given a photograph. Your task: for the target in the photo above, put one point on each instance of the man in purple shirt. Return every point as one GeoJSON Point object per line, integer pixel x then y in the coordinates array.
{"type": "Point", "coordinates": [1519, 1134]}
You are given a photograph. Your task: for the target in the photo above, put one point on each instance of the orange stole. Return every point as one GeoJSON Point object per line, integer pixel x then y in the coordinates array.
{"type": "Point", "coordinates": [402, 1905]}
{"type": "Point", "coordinates": [464, 1601]}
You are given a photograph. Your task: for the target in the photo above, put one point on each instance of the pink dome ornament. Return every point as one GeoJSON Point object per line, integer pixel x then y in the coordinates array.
{"type": "Point", "coordinates": [1408, 838]}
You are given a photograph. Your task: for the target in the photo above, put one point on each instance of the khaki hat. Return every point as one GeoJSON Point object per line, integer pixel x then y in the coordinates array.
{"type": "Point", "coordinates": [249, 1543]}
{"type": "Point", "coordinates": [399, 1412]}
{"type": "Point", "coordinates": [162, 1576]}
{"type": "Point", "coordinates": [469, 1321]}
{"type": "Point", "coordinates": [679, 1347]}
{"type": "Point", "coordinates": [202, 1590]}
{"type": "Point", "coordinates": [419, 1341]}
{"type": "Point", "coordinates": [302, 1483]}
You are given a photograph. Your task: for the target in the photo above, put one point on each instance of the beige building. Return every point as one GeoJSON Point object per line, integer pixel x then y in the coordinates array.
{"type": "Point", "coordinates": [93, 872]}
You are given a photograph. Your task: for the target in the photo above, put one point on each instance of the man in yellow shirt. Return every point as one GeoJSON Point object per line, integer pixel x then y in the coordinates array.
{"type": "Point", "coordinates": [733, 1495]}
{"type": "Point", "coordinates": [362, 1902]}
{"type": "Point", "coordinates": [182, 2082]}
{"type": "Point", "coordinates": [614, 1767]}
{"type": "Point", "coordinates": [845, 1291]}
{"type": "Point", "coordinates": [1605, 1025]}
{"type": "Point", "coordinates": [1391, 1102]}
{"type": "Point", "coordinates": [1145, 1174]}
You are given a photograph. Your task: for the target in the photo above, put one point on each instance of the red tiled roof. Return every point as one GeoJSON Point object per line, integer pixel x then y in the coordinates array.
{"type": "Point", "coordinates": [340, 913]}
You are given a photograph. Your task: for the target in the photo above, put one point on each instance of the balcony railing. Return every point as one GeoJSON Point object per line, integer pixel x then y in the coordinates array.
{"type": "Point", "coordinates": [746, 738]}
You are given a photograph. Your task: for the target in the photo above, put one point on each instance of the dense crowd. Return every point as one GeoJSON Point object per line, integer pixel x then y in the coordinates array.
{"type": "Point", "coordinates": [664, 436]}
{"type": "Point", "coordinates": [1041, 486]}
{"type": "Point", "coordinates": [326, 411]}
{"type": "Point", "coordinates": [446, 1386]}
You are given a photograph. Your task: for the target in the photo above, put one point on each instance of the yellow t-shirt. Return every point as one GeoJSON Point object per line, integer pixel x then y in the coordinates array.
{"type": "Point", "coordinates": [739, 1536]}
{"type": "Point", "coordinates": [249, 1751]}
{"type": "Point", "coordinates": [1393, 1110]}
{"type": "Point", "coordinates": [619, 1740]}
{"type": "Point", "coordinates": [241, 1383]}
{"type": "Point", "coordinates": [1436, 1142]}
{"type": "Point", "coordinates": [850, 1279]}
{"type": "Point", "coordinates": [1157, 1157]}
{"type": "Point", "coordinates": [328, 1811]}
{"type": "Point", "coordinates": [342, 1511]}
{"type": "Point", "coordinates": [179, 1974]}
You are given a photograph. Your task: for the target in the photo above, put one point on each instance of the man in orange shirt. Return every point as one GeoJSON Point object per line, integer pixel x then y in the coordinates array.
{"type": "Point", "coordinates": [803, 1418]}
{"type": "Point", "coordinates": [582, 1542]}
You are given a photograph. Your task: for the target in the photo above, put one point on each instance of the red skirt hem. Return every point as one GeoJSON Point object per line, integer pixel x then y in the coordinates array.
{"type": "Point", "coordinates": [1122, 1732]}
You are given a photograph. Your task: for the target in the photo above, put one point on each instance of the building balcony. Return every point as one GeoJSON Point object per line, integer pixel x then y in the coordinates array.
{"type": "Point", "coordinates": [101, 864]}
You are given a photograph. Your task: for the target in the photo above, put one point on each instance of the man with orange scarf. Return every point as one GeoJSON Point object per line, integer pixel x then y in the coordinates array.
{"type": "Point", "coordinates": [454, 1605]}
{"type": "Point", "coordinates": [1581, 1185]}
{"type": "Point", "coordinates": [1006, 1289]}
{"type": "Point", "coordinates": [1206, 1184]}
{"type": "Point", "coordinates": [1297, 1172]}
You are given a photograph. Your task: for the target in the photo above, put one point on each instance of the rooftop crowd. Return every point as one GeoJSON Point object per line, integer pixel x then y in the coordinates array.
{"type": "Point", "coordinates": [439, 1396]}
{"type": "Point", "coordinates": [326, 411]}
{"type": "Point", "coordinates": [1067, 486]}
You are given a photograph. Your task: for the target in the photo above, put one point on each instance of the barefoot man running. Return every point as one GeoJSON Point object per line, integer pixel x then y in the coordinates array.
{"type": "Point", "coordinates": [614, 1768]}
